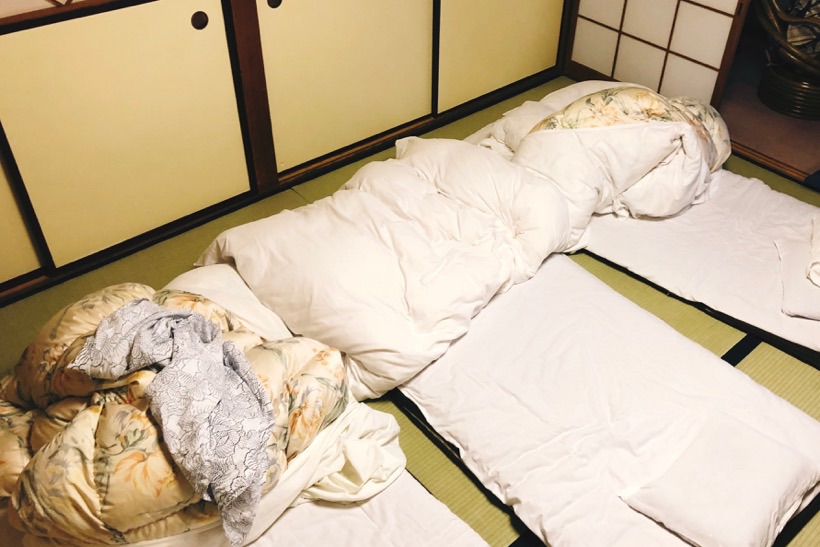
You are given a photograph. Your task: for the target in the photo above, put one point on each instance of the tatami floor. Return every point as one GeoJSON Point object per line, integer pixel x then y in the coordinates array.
{"type": "Point", "coordinates": [155, 266]}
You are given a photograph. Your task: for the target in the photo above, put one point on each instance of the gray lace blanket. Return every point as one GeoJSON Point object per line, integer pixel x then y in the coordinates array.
{"type": "Point", "coordinates": [215, 416]}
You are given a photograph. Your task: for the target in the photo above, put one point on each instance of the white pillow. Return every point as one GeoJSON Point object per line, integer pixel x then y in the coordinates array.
{"type": "Point", "coordinates": [221, 284]}
{"type": "Point", "coordinates": [731, 486]}
{"type": "Point", "coordinates": [801, 297]}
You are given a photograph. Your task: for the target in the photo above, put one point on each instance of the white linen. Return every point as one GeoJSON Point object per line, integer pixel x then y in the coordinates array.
{"type": "Point", "coordinates": [813, 272]}
{"type": "Point", "coordinates": [564, 396]}
{"type": "Point", "coordinates": [652, 169]}
{"type": "Point", "coordinates": [720, 253]}
{"type": "Point", "coordinates": [220, 284]}
{"type": "Point", "coordinates": [724, 490]}
{"type": "Point", "coordinates": [392, 267]}
{"type": "Point", "coordinates": [404, 515]}
{"type": "Point", "coordinates": [353, 459]}
{"type": "Point", "coordinates": [648, 169]}
{"type": "Point", "coordinates": [801, 297]}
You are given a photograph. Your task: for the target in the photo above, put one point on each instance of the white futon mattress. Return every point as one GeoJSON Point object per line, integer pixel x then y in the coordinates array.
{"type": "Point", "coordinates": [564, 397]}
{"type": "Point", "coordinates": [721, 253]}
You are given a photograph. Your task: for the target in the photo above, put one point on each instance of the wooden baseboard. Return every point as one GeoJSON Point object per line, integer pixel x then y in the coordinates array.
{"type": "Point", "coordinates": [768, 162]}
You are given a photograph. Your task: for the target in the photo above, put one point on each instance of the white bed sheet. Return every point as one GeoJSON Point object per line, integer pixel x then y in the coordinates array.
{"type": "Point", "coordinates": [720, 253]}
{"type": "Point", "coordinates": [404, 515]}
{"type": "Point", "coordinates": [564, 396]}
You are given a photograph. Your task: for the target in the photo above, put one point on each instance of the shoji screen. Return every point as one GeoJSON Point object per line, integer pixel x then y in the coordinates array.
{"type": "Point", "coordinates": [677, 47]}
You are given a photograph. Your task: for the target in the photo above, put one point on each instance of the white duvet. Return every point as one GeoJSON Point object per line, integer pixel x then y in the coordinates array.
{"type": "Point", "coordinates": [746, 251]}
{"type": "Point", "coordinates": [392, 267]}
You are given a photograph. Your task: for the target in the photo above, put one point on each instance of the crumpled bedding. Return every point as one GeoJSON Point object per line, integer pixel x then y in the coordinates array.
{"type": "Point", "coordinates": [215, 415]}
{"type": "Point", "coordinates": [85, 460]}
{"type": "Point", "coordinates": [619, 148]}
{"type": "Point", "coordinates": [393, 266]}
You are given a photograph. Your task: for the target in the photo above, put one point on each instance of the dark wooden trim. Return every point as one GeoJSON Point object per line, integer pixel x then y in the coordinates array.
{"type": "Point", "coordinates": [580, 72]}
{"type": "Point", "coordinates": [738, 21]}
{"type": "Point", "coordinates": [18, 189]}
{"type": "Point", "coordinates": [436, 56]}
{"type": "Point", "coordinates": [618, 41]}
{"type": "Point", "coordinates": [125, 248]}
{"type": "Point", "coordinates": [613, 29]}
{"type": "Point", "coordinates": [48, 16]}
{"type": "Point", "coordinates": [245, 43]}
{"type": "Point", "coordinates": [669, 46]}
{"type": "Point", "coordinates": [31, 280]}
{"type": "Point", "coordinates": [572, 24]}
{"type": "Point", "coordinates": [710, 8]}
{"type": "Point", "coordinates": [567, 31]}
{"type": "Point", "coordinates": [768, 162]}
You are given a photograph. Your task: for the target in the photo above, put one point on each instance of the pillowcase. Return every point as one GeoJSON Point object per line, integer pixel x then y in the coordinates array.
{"type": "Point", "coordinates": [731, 486]}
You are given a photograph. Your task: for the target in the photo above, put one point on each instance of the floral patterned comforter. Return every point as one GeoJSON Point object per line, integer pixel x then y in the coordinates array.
{"type": "Point", "coordinates": [84, 460]}
{"type": "Point", "coordinates": [622, 149]}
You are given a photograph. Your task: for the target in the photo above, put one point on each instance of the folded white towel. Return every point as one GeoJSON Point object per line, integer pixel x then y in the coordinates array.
{"type": "Point", "coordinates": [814, 259]}
{"type": "Point", "coordinates": [801, 298]}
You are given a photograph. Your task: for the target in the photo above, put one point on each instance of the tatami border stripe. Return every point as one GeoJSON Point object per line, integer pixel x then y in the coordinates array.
{"type": "Point", "coordinates": [741, 350]}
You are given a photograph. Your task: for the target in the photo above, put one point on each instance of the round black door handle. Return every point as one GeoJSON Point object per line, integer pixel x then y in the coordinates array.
{"type": "Point", "coordinates": [199, 20]}
{"type": "Point", "coordinates": [274, 3]}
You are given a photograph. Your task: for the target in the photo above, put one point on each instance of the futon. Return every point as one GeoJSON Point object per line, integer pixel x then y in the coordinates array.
{"type": "Point", "coordinates": [90, 460]}
{"type": "Point", "coordinates": [403, 515]}
{"type": "Point", "coordinates": [743, 251]}
{"type": "Point", "coordinates": [601, 425]}
{"type": "Point", "coordinates": [439, 272]}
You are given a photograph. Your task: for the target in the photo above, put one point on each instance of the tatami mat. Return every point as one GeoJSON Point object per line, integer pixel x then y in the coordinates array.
{"type": "Point", "coordinates": [785, 376]}
{"type": "Point", "coordinates": [448, 483]}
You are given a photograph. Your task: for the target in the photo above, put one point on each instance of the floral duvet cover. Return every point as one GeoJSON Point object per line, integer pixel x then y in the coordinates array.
{"type": "Point", "coordinates": [84, 460]}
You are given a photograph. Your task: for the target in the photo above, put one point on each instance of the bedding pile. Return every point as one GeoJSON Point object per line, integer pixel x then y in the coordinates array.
{"type": "Point", "coordinates": [392, 267]}
{"type": "Point", "coordinates": [138, 414]}
{"type": "Point", "coordinates": [744, 250]}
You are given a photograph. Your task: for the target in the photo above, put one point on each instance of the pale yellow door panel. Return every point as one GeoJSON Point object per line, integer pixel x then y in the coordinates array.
{"type": "Point", "coordinates": [487, 44]}
{"type": "Point", "coordinates": [339, 72]}
{"type": "Point", "coordinates": [17, 255]}
{"type": "Point", "coordinates": [122, 121]}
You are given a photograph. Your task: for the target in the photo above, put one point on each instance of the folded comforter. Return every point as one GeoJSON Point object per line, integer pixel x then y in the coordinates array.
{"type": "Point", "coordinates": [393, 266]}
{"type": "Point", "coordinates": [123, 432]}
